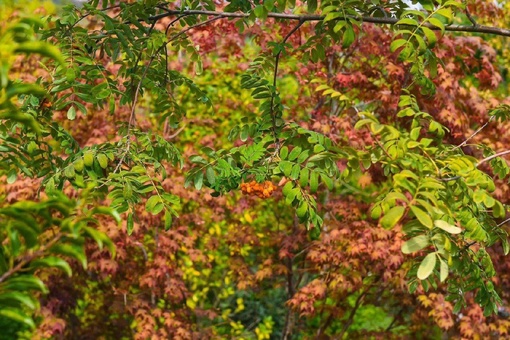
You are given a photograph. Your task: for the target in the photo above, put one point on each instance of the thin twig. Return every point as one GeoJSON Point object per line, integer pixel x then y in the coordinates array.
{"type": "Point", "coordinates": [390, 326]}
{"type": "Point", "coordinates": [448, 179]}
{"type": "Point", "coordinates": [357, 304]}
{"type": "Point", "coordinates": [277, 60]}
{"type": "Point", "coordinates": [486, 159]}
{"type": "Point", "coordinates": [468, 14]}
{"type": "Point", "coordinates": [505, 221]}
{"type": "Point", "coordinates": [467, 246]}
{"type": "Point", "coordinates": [475, 133]}
{"type": "Point", "coordinates": [176, 133]}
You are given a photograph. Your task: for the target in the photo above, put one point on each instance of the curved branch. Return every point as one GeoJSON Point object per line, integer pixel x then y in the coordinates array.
{"type": "Point", "coordinates": [277, 59]}
{"type": "Point", "coordinates": [499, 154]}
{"type": "Point", "coordinates": [314, 17]}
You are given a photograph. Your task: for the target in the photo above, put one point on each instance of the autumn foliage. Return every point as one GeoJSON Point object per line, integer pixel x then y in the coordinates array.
{"type": "Point", "coordinates": [305, 210]}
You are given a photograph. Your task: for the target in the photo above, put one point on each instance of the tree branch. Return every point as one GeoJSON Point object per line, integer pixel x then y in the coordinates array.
{"type": "Point", "coordinates": [486, 159]}
{"type": "Point", "coordinates": [314, 17]}
{"type": "Point", "coordinates": [475, 133]}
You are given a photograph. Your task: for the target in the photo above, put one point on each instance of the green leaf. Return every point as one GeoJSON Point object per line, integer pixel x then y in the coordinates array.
{"type": "Point", "coordinates": [71, 113]}
{"type": "Point", "coordinates": [396, 44]}
{"type": "Point", "coordinates": [11, 176]}
{"type": "Point", "coordinates": [415, 244]}
{"type": "Point", "coordinates": [436, 22]}
{"type": "Point", "coordinates": [88, 158]}
{"type": "Point", "coordinates": [260, 12]}
{"type": "Point", "coordinates": [24, 283]}
{"type": "Point", "coordinates": [158, 208]}
{"type": "Point", "coordinates": [314, 181]}
{"type": "Point", "coordinates": [284, 152]}
{"type": "Point", "coordinates": [302, 209]}
{"type": "Point", "coordinates": [431, 36]}
{"type": "Point", "coordinates": [106, 211]}
{"type": "Point", "coordinates": [312, 5]}
{"type": "Point", "coordinates": [447, 227]}
{"type": "Point", "coordinates": [130, 223]}
{"type": "Point", "coordinates": [446, 12]}
{"type": "Point", "coordinates": [287, 188]}
{"type": "Point", "coordinates": [16, 298]}
{"type": "Point", "coordinates": [18, 316]}
{"type": "Point", "coordinates": [29, 234]}
{"type": "Point", "coordinates": [198, 181]}
{"type": "Point", "coordinates": [286, 167]}
{"type": "Point", "coordinates": [407, 21]}
{"type": "Point", "coordinates": [295, 172]}
{"type": "Point", "coordinates": [340, 24]}
{"type": "Point", "coordinates": [422, 216]}
{"type": "Point", "coordinates": [318, 148]}
{"type": "Point", "coordinates": [391, 218]}
{"type": "Point", "coordinates": [71, 250]}
{"type": "Point", "coordinates": [303, 177]}
{"type": "Point", "coordinates": [348, 37]}
{"type": "Point", "coordinates": [327, 181]}
{"type": "Point", "coordinates": [151, 203]}
{"type": "Point", "coordinates": [294, 153]}
{"type": "Point", "coordinates": [427, 266]}
{"type": "Point", "coordinates": [103, 160]}
{"type": "Point", "coordinates": [41, 48]}
{"type": "Point", "coordinates": [168, 219]}
{"type": "Point", "coordinates": [210, 175]}
{"type": "Point", "coordinates": [443, 270]}
{"type": "Point", "coordinates": [376, 212]}
{"type": "Point", "coordinates": [52, 261]}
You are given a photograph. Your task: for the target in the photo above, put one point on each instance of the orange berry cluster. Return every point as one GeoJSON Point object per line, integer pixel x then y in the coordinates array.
{"type": "Point", "coordinates": [262, 190]}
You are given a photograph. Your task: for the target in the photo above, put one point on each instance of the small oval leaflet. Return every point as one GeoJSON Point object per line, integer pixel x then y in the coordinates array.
{"type": "Point", "coordinates": [427, 266]}
{"type": "Point", "coordinates": [416, 243]}
{"type": "Point", "coordinates": [447, 227]}
{"type": "Point", "coordinates": [392, 217]}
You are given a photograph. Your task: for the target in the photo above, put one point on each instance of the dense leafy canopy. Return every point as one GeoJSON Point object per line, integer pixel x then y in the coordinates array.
{"type": "Point", "coordinates": [254, 170]}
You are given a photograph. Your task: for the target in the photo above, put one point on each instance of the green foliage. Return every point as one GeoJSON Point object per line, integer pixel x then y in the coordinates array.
{"type": "Point", "coordinates": [432, 197]}
{"type": "Point", "coordinates": [441, 198]}
{"type": "Point", "coordinates": [35, 235]}
{"type": "Point", "coordinates": [38, 235]}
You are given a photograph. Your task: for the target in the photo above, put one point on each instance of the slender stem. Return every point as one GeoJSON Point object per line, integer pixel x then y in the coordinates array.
{"type": "Point", "coordinates": [390, 326]}
{"type": "Point", "coordinates": [313, 17]}
{"type": "Point", "coordinates": [486, 159]}
{"type": "Point", "coordinates": [468, 14]}
{"type": "Point", "coordinates": [277, 60]}
{"type": "Point", "coordinates": [505, 221]}
{"type": "Point", "coordinates": [475, 133]}
{"type": "Point", "coordinates": [350, 319]}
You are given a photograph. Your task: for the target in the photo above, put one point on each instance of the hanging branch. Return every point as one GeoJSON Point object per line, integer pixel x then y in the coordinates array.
{"type": "Point", "coordinates": [277, 59]}
{"type": "Point", "coordinates": [499, 154]}
{"type": "Point", "coordinates": [475, 133]}
{"type": "Point", "coordinates": [313, 17]}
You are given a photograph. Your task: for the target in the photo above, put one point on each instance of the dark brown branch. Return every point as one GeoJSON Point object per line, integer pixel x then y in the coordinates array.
{"type": "Point", "coordinates": [468, 14]}
{"type": "Point", "coordinates": [313, 17]}
{"type": "Point", "coordinates": [350, 319]}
